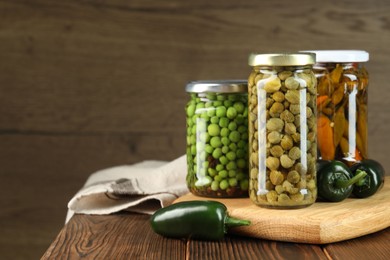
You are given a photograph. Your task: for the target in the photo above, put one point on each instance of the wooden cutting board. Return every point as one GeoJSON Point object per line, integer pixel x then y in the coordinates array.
{"type": "Point", "coordinates": [320, 223]}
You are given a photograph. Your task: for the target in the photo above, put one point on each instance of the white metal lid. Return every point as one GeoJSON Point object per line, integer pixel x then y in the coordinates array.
{"type": "Point", "coordinates": [340, 55]}
{"type": "Point", "coordinates": [218, 86]}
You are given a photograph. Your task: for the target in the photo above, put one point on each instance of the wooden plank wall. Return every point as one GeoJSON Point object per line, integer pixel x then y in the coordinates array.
{"type": "Point", "coordinates": [86, 85]}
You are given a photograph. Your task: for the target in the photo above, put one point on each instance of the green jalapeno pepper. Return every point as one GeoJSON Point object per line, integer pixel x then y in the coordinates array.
{"type": "Point", "coordinates": [372, 182]}
{"type": "Point", "coordinates": [206, 220]}
{"type": "Point", "coordinates": [335, 181]}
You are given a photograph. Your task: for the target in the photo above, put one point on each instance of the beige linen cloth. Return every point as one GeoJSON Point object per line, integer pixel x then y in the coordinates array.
{"type": "Point", "coordinates": [143, 187]}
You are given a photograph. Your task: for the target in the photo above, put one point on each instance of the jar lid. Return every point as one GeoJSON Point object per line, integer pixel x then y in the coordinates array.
{"type": "Point", "coordinates": [217, 86]}
{"type": "Point", "coordinates": [340, 55]}
{"type": "Point", "coordinates": [282, 59]}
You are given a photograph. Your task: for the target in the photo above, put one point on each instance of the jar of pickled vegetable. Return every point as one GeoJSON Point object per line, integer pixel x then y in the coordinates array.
{"type": "Point", "coordinates": [217, 138]}
{"type": "Point", "coordinates": [342, 105]}
{"type": "Point", "coordinates": [282, 130]}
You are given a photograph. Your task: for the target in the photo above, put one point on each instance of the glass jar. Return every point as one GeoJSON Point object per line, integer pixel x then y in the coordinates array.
{"type": "Point", "coordinates": [217, 138]}
{"type": "Point", "coordinates": [342, 105]}
{"type": "Point", "coordinates": [282, 130]}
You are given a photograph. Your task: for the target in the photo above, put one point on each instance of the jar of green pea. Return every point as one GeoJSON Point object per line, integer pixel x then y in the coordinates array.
{"type": "Point", "coordinates": [217, 138]}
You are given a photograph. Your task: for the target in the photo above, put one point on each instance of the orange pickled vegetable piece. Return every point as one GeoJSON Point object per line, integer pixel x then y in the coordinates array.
{"type": "Point", "coordinates": [325, 138]}
{"type": "Point", "coordinates": [321, 99]}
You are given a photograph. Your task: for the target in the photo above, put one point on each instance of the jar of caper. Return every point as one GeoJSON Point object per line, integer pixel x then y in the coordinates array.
{"type": "Point", "coordinates": [342, 104]}
{"type": "Point", "coordinates": [217, 138]}
{"type": "Point", "coordinates": [282, 130]}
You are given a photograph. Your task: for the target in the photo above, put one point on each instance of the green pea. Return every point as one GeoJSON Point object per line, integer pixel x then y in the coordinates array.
{"type": "Point", "coordinates": [221, 111]}
{"type": "Point", "coordinates": [213, 130]}
{"type": "Point", "coordinates": [193, 130]}
{"type": "Point", "coordinates": [204, 137]}
{"type": "Point", "coordinates": [239, 107]}
{"type": "Point", "coordinates": [231, 113]}
{"type": "Point", "coordinates": [233, 97]}
{"type": "Point", "coordinates": [205, 116]}
{"type": "Point", "coordinates": [190, 110]}
{"type": "Point", "coordinates": [217, 153]}
{"type": "Point", "coordinates": [214, 120]}
{"type": "Point", "coordinates": [225, 141]}
{"type": "Point", "coordinates": [233, 147]}
{"type": "Point", "coordinates": [223, 185]}
{"type": "Point", "coordinates": [233, 182]}
{"type": "Point", "coordinates": [242, 129]}
{"type": "Point", "coordinates": [199, 105]}
{"type": "Point", "coordinates": [232, 173]}
{"type": "Point", "coordinates": [240, 153]}
{"type": "Point", "coordinates": [244, 184]}
{"type": "Point", "coordinates": [205, 164]}
{"type": "Point", "coordinates": [223, 160]}
{"type": "Point", "coordinates": [241, 163]}
{"type": "Point", "coordinates": [234, 136]}
{"type": "Point", "coordinates": [245, 114]}
{"type": "Point", "coordinates": [211, 96]}
{"type": "Point", "coordinates": [189, 122]}
{"type": "Point", "coordinates": [224, 122]}
{"type": "Point", "coordinates": [227, 103]}
{"type": "Point", "coordinates": [215, 185]}
{"type": "Point", "coordinates": [193, 139]}
{"type": "Point", "coordinates": [219, 167]}
{"type": "Point", "coordinates": [231, 156]}
{"type": "Point", "coordinates": [244, 136]}
{"type": "Point", "coordinates": [242, 144]}
{"type": "Point", "coordinates": [240, 120]}
{"type": "Point", "coordinates": [212, 172]}
{"type": "Point", "coordinates": [215, 142]}
{"type": "Point", "coordinates": [217, 178]}
{"type": "Point", "coordinates": [240, 176]}
{"type": "Point", "coordinates": [225, 149]}
{"type": "Point", "coordinates": [223, 174]}
{"type": "Point", "coordinates": [193, 149]}
{"type": "Point", "coordinates": [225, 132]}
{"type": "Point", "coordinates": [217, 103]}
{"type": "Point", "coordinates": [221, 97]}
{"type": "Point", "coordinates": [194, 118]}
{"type": "Point", "coordinates": [208, 148]}
{"type": "Point", "coordinates": [231, 166]}
{"type": "Point", "coordinates": [232, 126]}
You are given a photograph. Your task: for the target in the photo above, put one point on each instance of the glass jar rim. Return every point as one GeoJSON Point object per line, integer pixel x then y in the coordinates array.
{"type": "Point", "coordinates": [341, 56]}
{"type": "Point", "coordinates": [218, 86]}
{"type": "Point", "coordinates": [281, 59]}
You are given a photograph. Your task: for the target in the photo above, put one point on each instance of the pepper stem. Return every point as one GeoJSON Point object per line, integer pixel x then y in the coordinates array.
{"type": "Point", "coordinates": [346, 183]}
{"type": "Point", "coordinates": [361, 181]}
{"type": "Point", "coordinates": [235, 222]}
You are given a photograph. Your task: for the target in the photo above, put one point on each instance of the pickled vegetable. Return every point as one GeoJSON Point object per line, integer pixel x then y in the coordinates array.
{"type": "Point", "coordinates": [342, 112]}
{"type": "Point", "coordinates": [217, 144]}
{"type": "Point", "coordinates": [282, 136]}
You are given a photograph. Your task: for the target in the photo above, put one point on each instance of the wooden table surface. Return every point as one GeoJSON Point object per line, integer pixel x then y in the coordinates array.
{"type": "Point", "coordinates": [129, 236]}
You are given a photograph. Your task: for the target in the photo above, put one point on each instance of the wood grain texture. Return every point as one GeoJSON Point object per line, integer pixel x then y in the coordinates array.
{"type": "Point", "coordinates": [374, 244]}
{"type": "Point", "coordinates": [86, 85]}
{"type": "Point", "coordinates": [235, 247]}
{"type": "Point", "coordinates": [129, 236]}
{"type": "Point", "coordinates": [321, 223]}
{"type": "Point", "coordinates": [97, 237]}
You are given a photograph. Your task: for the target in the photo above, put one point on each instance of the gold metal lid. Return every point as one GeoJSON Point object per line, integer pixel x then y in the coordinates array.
{"type": "Point", "coordinates": [218, 86]}
{"type": "Point", "coordinates": [281, 59]}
